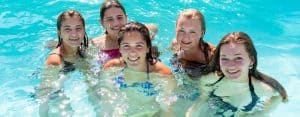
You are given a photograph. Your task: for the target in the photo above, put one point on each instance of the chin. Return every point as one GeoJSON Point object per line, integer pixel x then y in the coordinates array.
{"type": "Point", "coordinates": [234, 77]}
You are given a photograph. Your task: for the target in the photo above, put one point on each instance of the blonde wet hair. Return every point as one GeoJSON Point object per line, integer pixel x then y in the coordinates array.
{"type": "Point", "coordinates": [193, 14]}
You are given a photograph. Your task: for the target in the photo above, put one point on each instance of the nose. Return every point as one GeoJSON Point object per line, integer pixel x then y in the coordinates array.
{"type": "Point", "coordinates": [231, 63]}
{"type": "Point", "coordinates": [132, 52]}
{"type": "Point", "coordinates": [185, 37]}
{"type": "Point", "coordinates": [73, 33]}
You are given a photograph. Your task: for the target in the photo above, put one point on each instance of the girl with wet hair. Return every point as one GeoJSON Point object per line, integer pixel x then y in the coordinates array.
{"type": "Point", "coordinates": [191, 57]}
{"type": "Point", "coordinates": [65, 58]}
{"type": "Point", "coordinates": [112, 17]}
{"type": "Point", "coordinates": [144, 83]}
{"type": "Point", "coordinates": [233, 86]}
{"type": "Point", "coordinates": [72, 39]}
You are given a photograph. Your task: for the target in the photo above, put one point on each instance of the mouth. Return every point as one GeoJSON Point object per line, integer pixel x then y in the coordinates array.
{"type": "Point", "coordinates": [116, 28]}
{"type": "Point", "coordinates": [74, 40]}
{"type": "Point", "coordinates": [133, 59]}
{"type": "Point", "coordinates": [233, 72]}
{"type": "Point", "coordinates": [186, 43]}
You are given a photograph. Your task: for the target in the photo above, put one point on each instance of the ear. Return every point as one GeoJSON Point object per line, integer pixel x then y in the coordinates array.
{"type": "Point", "coordinates": [58, 32]}
{"type": "Point", "coordinates": [252, 61]}
{"type": "Point", "coordinates": [148, 50]}
{"type": "Point", "coordinates": [126, 17]}
{"type": "Point", "coordinates": [101, 22]}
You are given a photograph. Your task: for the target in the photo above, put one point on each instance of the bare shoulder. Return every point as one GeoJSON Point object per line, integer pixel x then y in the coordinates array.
{"type": "Point", "coordinates": [263, 89]}
{"type": "Point", "coordinates": [161, 68]}
{"type": "Point", "coordinates": [98, 40]}
{"type": "Point", "coordinates": [54, 58]}
{"type": "Point", "coordinates": [209, 78]}
{"type": "Point", "coordinates": [114, 63]}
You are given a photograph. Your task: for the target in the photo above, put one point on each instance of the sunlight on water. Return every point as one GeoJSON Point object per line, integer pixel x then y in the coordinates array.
{"type": "Point", "coordinates": [27, 25]}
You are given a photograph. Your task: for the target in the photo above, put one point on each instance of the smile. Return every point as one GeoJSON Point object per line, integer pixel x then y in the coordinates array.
{"type": "Point", "coordinates": [133, 60]}
{"type": "Point", "coordinates": [186, 43]}
{"type": "Point", "coordinates": [233, 71]}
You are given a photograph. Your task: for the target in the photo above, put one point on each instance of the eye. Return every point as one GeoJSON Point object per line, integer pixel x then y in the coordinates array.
{"type": "Point", "coordinates": [238, 59]}
{"type": "Point", "coordinates": [192, 32]}
{"type": "Point", "coordinates": [126, 47]}
{"type": "Point", "coordinates": [139, 46]}
{"type": "Point", "coordinates": [224, 59]}
{"type": "Point", "coordinates": [109, 19]}
{"type": "Point", "coordinates": [67, 29]}
{"type": "Point", "coordinates": [78, 29]}
{"type": "Point", "coordinates": [120, 18]}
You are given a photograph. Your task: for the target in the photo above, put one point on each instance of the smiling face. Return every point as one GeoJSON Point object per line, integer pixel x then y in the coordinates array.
{"type": "Point", "coordinates": [114, 18]}
{"type": "Point", "coordinates": [133, 49]}
{"type": "Point", "coordinates": [235, 61]}
{"type": "Point", "coordinates": [188, 33]}
{"type": "Point", "coordinates": [72, 31]}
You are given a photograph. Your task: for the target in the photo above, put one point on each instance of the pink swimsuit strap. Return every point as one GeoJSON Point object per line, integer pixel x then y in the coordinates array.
{"type": "Point", "coordinates": [113, 53]}
{"type": "Point", "coordinates": [106, 55]}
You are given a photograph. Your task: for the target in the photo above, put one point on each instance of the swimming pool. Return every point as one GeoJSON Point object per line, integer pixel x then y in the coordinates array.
{"type": "Point", "coordinates": [26, 25]}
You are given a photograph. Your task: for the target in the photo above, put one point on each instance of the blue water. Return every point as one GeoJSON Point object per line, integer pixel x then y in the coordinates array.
{"type": "Point", "coordinates": [27, 25]}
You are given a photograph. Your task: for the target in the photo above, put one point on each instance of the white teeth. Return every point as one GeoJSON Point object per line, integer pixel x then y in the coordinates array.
{"type": "Point", "coordinates": [74, 39]}
{"type": "Point", "coordinates": [186, 43]}
{"type": "Point", "coordinates": [232, 71]}
{"type": "Point", "coordinates": [130, 59]}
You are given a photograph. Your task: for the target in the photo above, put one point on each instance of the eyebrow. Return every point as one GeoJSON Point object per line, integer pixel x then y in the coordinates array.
{"type": "Point", "coordinates": [68, 26]}
{"type": "Point", "coordinates": [133, 43]}
{"type": "Point", "coordinates": [112, 16]}
{"type": "Point", "coordinates": [234, 54]}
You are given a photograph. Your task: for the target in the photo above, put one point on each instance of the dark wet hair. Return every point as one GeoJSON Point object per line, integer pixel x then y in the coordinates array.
{"type": "Point", "coordinates": [139, 27]}
{"type": "Point", "coordinates": [61, 18]}
{"type": "Point", "coordinates": [109, 4]}
{"type": "Point", "coordinates": [243, 38]}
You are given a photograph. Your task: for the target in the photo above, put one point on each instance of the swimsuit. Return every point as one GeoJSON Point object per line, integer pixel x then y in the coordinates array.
{"type": "Point", "coordinates": [67, 66]}
{"type": "Point", "coordinates": [147, 88]}
{"type": "Point", "coordinates": [194, 69]}
{"type": "Point", "coordinates": [106, 55]}
{"type": "Point", "coordinates": [216, 102]}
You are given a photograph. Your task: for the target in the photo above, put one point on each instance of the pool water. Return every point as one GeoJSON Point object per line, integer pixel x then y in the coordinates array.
{"type": "Point", "coordinates": [27, 25]}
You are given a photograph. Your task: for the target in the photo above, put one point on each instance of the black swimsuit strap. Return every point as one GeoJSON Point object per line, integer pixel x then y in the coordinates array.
{"type": "Point", "coordinates": [212, 84]}
{"type": "Point", "coordinates": [254, 97]}
{"type": "Point", "coordinates": [148, 71]}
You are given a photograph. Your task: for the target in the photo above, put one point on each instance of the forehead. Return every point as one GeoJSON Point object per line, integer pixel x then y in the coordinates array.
{"type": "Point", "coordinates": [133, 37]}
{"type": "Point", "coordinates": [232, 49]}
{"type": "Point", "coordinates": [113, 11]}
{"type": "Point", "coordinates": [76, 20]}
{"type": "Point", "coordinates": [184, 21]}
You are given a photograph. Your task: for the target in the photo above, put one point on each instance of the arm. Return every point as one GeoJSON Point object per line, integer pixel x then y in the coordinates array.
{"type": "Point", "coordinates": [114, 63]}
{"type": "Point", "coordinates": [54, 58]}
{"type": "Point", "coordinates": [50, 83]}
{"type": "Point", "coordinates": [162, 69]}
{"type": "Point", "coordinates": [167, 97]}
{"type": "Point", "coordinates": [174, 45]}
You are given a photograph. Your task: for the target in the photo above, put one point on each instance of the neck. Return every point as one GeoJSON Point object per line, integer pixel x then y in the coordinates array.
{"type": "Point", "coordinates": [141, 67]}
{"type": "Point", "coordinates": [69, 51]}
{"type": "Point", "coordinates": [111, 37]}
{"type": "Point", "coordinates": [242, 79]}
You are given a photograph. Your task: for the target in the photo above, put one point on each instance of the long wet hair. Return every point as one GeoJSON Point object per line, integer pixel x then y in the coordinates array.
{"type": "Point", "coordinates": [196, 14]}
{"type": "Point", "coordinates": [109, 4]}
{"type": "Point", "coordinates": [141, 28]}
{"type": "Point", "coordinates": [61, 18]}
{"type": "Point", "coordinates": [243, 38]}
